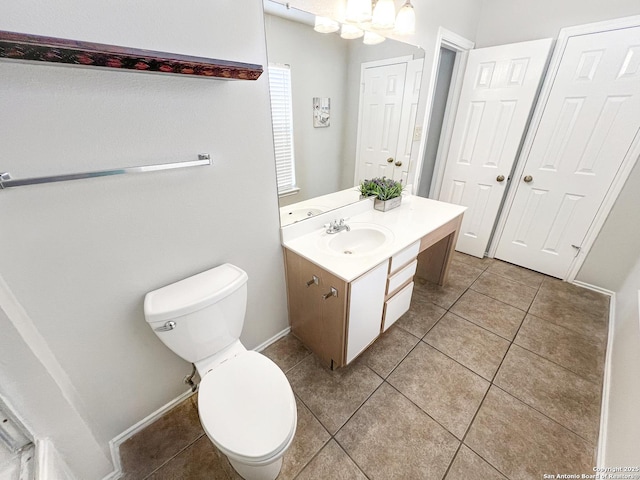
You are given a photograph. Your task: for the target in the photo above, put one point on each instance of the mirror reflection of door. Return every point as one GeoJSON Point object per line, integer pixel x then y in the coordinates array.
{"type": "Point", "coordinates": [327, 66]}
{"type": "Point", "coordinates": [387, 118]}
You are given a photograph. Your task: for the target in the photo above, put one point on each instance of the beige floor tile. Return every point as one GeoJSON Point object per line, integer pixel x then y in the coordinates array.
{"type": "Point", "coordinates": [389, 437]}
{"type": "Point", "coordinates": [553, 390]}
{"type": "Point", "coordinates": [200, 461]}
{"type": "Point", "coordinates": [498, 317]}
{"type": "Point", "coordinates": [332, 396]}
{"type": "Point", "coordinates": [516, 273]}
{"type": "Point", "coordinates": [505, 290]}
{"type": "Point", "coordinates": [481, 263]}
{"type": "Point", "coordinates": [522, 443]}
{"type": "Point", "coordinates": [160, 441]}
{"type": "Point", "coordinates": [388, 351]}
{"type": "Point", "coordinates": [332, 463]}
{"type": "Point", "coordinates": [310, 437]}
{"type": "Point", "coordinates": [578, 309]}
{"type": "Point", "coordinates": [286, 352]}
{"type": "Point", "coordinates": [472, 346]}
{"type": "Point", "coordinates": [578, 353]}
{"type": "Point", "coordinates": [469, 466]}
{"type": "Point", "coordinates": [447, 391]}
{"type": "Point", "coordinates": [421, 316]}
{"type": "Point", "coordinates": [461, 276]}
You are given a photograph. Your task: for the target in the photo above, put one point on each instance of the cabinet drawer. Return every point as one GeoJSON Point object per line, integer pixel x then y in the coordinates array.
{"type": "Point", "coordinates": [396, 306]}
{"type": "Point", "coordinates": [398, 278]}
{"type": "Point", "coordinates": [403, 257]}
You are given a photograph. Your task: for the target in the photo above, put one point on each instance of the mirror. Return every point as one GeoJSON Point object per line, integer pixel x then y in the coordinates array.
{"type": "Point", "coordinates": [326, 70]}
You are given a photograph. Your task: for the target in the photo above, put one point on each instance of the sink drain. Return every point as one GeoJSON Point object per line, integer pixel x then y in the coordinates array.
{"type": "Point", "coordinates": [348, 252]}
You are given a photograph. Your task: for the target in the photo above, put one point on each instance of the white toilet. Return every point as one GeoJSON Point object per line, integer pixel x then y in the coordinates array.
{"type": "Point", "coordinates": [245, 402]}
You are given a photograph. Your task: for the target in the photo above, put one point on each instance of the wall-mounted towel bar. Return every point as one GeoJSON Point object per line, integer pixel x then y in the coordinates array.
{"type": "Point", "coordinates": [6, 181]}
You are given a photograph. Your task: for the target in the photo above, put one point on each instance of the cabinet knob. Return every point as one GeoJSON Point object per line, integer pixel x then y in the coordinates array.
{"type": "Point", "coordinates": [500, 178]}
{"type": "Point", "coordinates": [528, 178]}
{"type": "Point", "coordinates": [314, 281]}
{"type": "Point", "coordinates": [390, 160]}
{"type": "Point", "coordinates": [399, 163]}
{"type": "Point", "coordinates": [332, 293]}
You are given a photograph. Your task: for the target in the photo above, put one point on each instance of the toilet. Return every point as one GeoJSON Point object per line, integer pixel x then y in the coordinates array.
{"type": "Point", "coordinates": [245, 402]}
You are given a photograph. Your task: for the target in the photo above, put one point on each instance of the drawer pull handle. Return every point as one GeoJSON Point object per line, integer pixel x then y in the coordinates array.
{"type": "Point", "coordinates": [332, 293]}
{"type": "Point", "coordinates": [314, 281]}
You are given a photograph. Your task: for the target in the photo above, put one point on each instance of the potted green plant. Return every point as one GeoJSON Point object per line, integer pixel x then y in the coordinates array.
{"type": "Point", "coordinates": [388, 192]}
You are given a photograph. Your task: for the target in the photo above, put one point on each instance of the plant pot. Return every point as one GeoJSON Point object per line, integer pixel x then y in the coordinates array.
{"type": "Point", "coordinates": [384, 205]}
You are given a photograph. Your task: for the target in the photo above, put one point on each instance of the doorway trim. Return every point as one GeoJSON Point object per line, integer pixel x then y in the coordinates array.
{"type": "Point", "coordinates": [460, 45]}
{"type": "Point", "coordinates": [621, 176]}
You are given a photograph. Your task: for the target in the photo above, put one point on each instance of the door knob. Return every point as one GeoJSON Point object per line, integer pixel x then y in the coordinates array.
{"type": "Point", "coordinates": [528, 179]}
{"type": "Point", "coordinates": [398, 163]}
{"type": "Point", "coordinates": [390, 160]}
{"type": "Point", "coordinates": [500, 178]}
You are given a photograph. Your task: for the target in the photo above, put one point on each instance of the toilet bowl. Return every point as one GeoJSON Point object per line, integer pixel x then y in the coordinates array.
{"type": "Point", "coordinates": [248, 411]}
{"type": "Point", "coordinates": [245, 402]}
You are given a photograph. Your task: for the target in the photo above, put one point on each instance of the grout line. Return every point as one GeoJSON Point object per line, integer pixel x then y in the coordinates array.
{"type": "Point", "coordinates": [173, 457]}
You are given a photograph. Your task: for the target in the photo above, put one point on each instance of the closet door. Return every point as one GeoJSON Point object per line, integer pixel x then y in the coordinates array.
{"type": "Point", "coordinates": [589, 124]}
{"type": "Point", "coordinates": [498, 91]}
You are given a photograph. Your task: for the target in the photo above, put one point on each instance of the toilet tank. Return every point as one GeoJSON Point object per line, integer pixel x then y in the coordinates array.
{"type": "Point", "coordinates": [207, 311]}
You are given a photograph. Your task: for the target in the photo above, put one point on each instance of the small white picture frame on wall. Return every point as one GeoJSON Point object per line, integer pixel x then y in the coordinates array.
{"type": "Point", "coordinates": [321, 112]}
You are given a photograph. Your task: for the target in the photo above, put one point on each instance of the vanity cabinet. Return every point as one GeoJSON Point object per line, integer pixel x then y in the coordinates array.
{"type": "Point", "coordinates": [336, 320]}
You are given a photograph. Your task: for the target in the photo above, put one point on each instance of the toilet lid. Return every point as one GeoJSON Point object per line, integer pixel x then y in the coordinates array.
{"type": "Point", "coordinates": [247, 407]}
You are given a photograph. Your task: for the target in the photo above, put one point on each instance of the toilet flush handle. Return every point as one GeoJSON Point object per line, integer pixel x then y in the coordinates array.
{"type": "Point", "coordinates": [170, 325]}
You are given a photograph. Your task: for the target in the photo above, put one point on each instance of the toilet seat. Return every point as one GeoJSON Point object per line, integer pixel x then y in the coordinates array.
{"type": "Point", "coordinates": [247, 407]}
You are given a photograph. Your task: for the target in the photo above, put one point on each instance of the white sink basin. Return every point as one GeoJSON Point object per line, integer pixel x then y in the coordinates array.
{"type": "Point", "coordinates": [362, 239]}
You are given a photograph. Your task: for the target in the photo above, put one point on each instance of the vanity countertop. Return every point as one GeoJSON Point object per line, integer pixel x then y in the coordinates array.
{"type": "Point", "coordinates": [409, 222]}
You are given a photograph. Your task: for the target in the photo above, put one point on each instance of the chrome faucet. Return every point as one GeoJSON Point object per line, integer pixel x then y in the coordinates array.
{"type": "Point", "coordinates": [337, 226]}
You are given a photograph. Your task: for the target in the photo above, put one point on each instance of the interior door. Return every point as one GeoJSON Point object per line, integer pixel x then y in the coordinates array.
{"type": "Point", "coordinates": [406, 134]}
{"type": "Point", "coordinates": [498, 92]}
{"type": "Point", "coordinates": [588, 125]}
{"type": "Point", "coordinates": [379, 122]}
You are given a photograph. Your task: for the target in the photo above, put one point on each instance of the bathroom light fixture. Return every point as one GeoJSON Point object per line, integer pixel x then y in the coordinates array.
{"type": "Point", "coordinates": [406, 20]}
{"type": "Point", "coordinates": [358, 11]}
{"type": "Point", "coordinates": [384, 15]}
{"type": "Point", "coordinates": [326, 25]}
{"type": "Point", "coordinates": [349, 32]}
{"type": "Point", "coordinates": [371, 38]}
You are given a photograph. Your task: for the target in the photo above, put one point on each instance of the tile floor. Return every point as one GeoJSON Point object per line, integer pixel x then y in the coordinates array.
{"type": "Point", "coordinates": [497, 375]}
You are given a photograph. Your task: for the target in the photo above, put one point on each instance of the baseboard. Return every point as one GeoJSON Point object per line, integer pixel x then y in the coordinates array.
{"type": "Point", "coordinates": [606, 381]}
{"type": "Point", "coordinates": [114, 444]}
{"type": "Point", "coordinates": [273, 339]}
{"type": "Point", "coordinates": [595, 288]}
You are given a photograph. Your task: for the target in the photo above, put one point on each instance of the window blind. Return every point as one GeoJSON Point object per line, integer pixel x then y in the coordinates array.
{"type": "Point", "coordinates": [282, 119]}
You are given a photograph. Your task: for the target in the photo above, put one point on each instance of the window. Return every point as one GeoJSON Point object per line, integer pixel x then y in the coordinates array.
{"type": "Point", "coordinates": [282, 118]}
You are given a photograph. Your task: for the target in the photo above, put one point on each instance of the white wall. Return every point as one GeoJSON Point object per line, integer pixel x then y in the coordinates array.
{"type": "Point", "coordinates": [508, 21]}
{"type": "Point", "coordinates": [318, 69]}
{"type": "Point", "coordinates": [623, 432]}
{"type": "Point", "coordinates": [80, 256]}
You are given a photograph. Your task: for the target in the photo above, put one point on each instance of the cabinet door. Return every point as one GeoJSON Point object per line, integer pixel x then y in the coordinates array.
{"type": "Point", "coordinates": [316, 321]}
{"type": "Point", "coordinates": [366, 301]}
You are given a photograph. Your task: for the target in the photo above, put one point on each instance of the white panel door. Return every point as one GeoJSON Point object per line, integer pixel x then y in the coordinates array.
{"type": "Point", "coordinates": [498, 91]}
{"type": "Point", "coordinates": [586, 130]}
{"type": "Point", "coordinates": [406, 134]}
{"type": "Point", "coordinates": [379, 123]}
